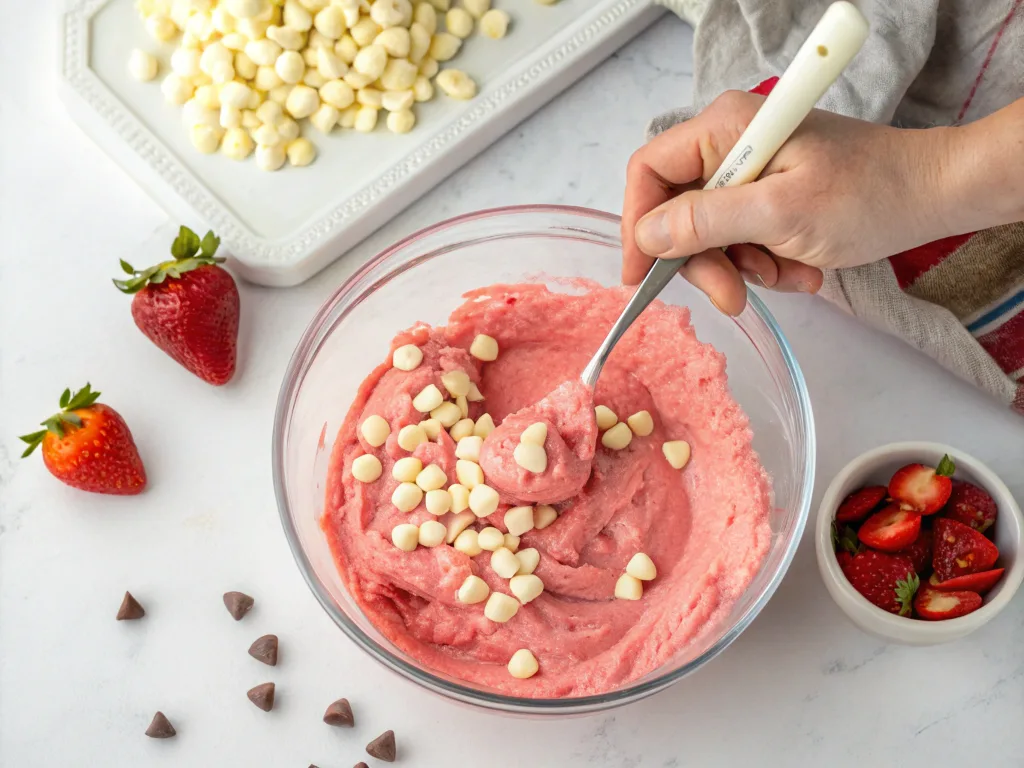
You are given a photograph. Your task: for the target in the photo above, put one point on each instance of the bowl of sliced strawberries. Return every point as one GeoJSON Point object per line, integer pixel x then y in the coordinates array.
{"type": "Point", "coordinates": [920, 543]}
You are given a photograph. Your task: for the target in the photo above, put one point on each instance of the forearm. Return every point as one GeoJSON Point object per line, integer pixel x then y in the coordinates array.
{"type": "Point", "coordinates": [982, 172]}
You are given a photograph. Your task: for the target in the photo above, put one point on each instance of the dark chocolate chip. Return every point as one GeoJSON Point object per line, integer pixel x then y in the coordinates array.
{"type": "Point", "coordinates": [383, 747]}
{"type": "Point", "coordinates": [262, 696]}
{"type": "Point", "coordinates": [238, 604]}
{"type": "Point", "coordinates": [130, 609]}
{"type": "Point", "coordinates": [340, 714]}
{"type": "Point", "coordinates": [265, 650]}
{"type": "Point", "coordinates": [361, 765]}
{"type": "Point", "coordinates": [160, 728]}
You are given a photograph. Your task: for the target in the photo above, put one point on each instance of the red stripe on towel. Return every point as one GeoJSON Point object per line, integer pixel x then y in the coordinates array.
{"type": "Point", "coordinates": [911, 264]}
{"type": "Point", "coordinates": [1006, 343]}
{"type": "Point", "coordinates": [988, 60]}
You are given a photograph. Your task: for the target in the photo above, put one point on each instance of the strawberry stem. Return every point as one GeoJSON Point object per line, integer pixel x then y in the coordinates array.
{"type": "Point", "coordinates": [60, 423]}
{"type": "Point", "coordinates": [946, 467]}
{"type": "Point", "coordinates": [189, 252]}
{"type": "Point", "coordinates": [905, 591]}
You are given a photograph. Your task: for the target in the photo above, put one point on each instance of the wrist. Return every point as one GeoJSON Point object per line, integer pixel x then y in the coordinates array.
{"type": "Point", "coordinates": [982, 169]}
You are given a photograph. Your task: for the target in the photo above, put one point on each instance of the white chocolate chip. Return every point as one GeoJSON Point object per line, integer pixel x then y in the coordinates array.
{"type": "Point", "coordinates": [230, 117]}
{"type": "Point", "coordinates": [528, 559]}
{"type": "Point", "coordinates": [426, 16]}
{"type": "Point", "coordinates": [330, 65]}
{"type": "Point", "coordinates": [142, 66]}
{"type": "Point", "coordinates": [407, 357]}
{"type": "Point", "coordinates": [432, 533]}
{"type": "Point", "coordinates": [483, 500]}
{"type": "Point", "coordinates": [531, 457]}
{"type": "Point", "coordinates": [459, 22]}
{"type": "Point", "coordinates": [268, 112]}
{"type": "Point", "coordinates": [629, 587]}
{"type": "Point", "coordinates": [474, 395]}
{"type": "Point", "coordinates": [504, 563]}
{"type": "Point", "coordinates": [263, 52]}
{"type": "Point", "coordinates": [428, 399]}
{"type": "Point", "coordinates": [443, 47]}
{"type": "Point", "coordinates": [519, 520]}
{"type": "Point", "coordinates": [266, 136]}
{"type": "Point", "coordinates": [511, 542]}
{"type": "Point", "coordinates": [161, 28]}
{"type": "Point", "coordinates": [463, 405]}
{"type": "Point", "coordinates": [446, 413]}
{"type": "Point", "coordinates": [370, 97]}
{"type": "Point", "coordinates": [484, 348]}
{"type": "Point", "coordinates": [394, 40]}
{"type": "Point", "coordinates": [411, 436]}
{"type": "Point", "coordinates": [401, 121]}
{"type": "Point", "coordinates": [301, 152]}
{"type": "Point", "coordinates": [325, 118]}
{"type": "Point", "coordinates": [419, 44]}
{"type": "Point", "coordinates": [366, 468]}
{"type": "Point", "coordinates": [484, 426]}
{"type": "Point", "coordinates": [460, 498]}
{"type": "Point", "coordinates": [543, 516]}
{"type": "Point", "coordinates": [432, 427]}
{"type": "Point", "coordinates": [606, 418]}
{"type": "Point", "coordinates": [302, 101]}
{"type": "Point", "coordinates": [468, 447]}
{"type": "Point", "coordinates": [330, 22]}
{"type": "Point", "coordinates": [340, 95]}
{"type": "Point", "coordinates": [494, 24]}
{"type": "Point", "coordinates": [237, 144]}
{"type": "Point", "coordinates": [641, 423]}
{"type": "Point", "coordinates": [456, 84]}
{"type": "Point", "coordinates": [405, 536]}
{"type": "Point", "coordinates": [406, 469]}
{"type": "Point", "coordinates": [177, 89]}
{"type": "Point", "coordinates": [457, 523]}
{"type": "Point", "coordinates": [290, 67]}
{"type": "Point", "coordinates": [461, 430]}
{"type": "Point", "coordinates": [270, 158]}
{"type": "Point", "coordinates": [206, 138]}
{"type": "Point", "coordinates": [398, 101]}
{"type": "Point", "coordinates": [313, 79]}
{"type": "Point", "coordinates": [288, 38]}
{"type": "Point", "coordinates": [677, 452]}
{"type": "Point", "coordinates": [407, 497]}
{"type": "Point", "coordinates": [399, 75]}
{"type": "Point", "coordinates": [491, 538]}
{"type": "Point", "coordinates": [477, 7]}
{"type": "Point", "coordinates": [523, 664]}
{"type": "Point", "coordinates": [429, 67]}
{"type": "Point", "coordinates": [526, 587]}
{"type": "Point", "coordinates": [431, 478]}
{"type": "Point", "coordinates": [469, 473]}
{"type": "Point", "coordinates": [297, 17]}
{"type": "Point", "coordinates": [618, 437]}
{"type": "Point", "coordinates": [468, 542]}
{"type": "Point", "coordinates": [473, 590]}
{"type": "Point", "coordinates": [500, 607]}
{"type": "Point", "coordinates": [641, 567]}
{"type": "Point", "coordinates": [535, 433]}
{"type": "Point", "coordinates": [456, 382]}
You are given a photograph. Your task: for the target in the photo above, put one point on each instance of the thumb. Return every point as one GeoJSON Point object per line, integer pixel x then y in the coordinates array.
{"type": "Point", "coordinates": [698, 220]}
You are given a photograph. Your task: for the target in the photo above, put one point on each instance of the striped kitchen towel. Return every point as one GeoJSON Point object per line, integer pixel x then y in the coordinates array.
{"type": "Point", "coordinates": [926, 63]}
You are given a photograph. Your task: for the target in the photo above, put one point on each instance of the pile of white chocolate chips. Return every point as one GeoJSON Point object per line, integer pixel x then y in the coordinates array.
{"type": "Point", "coordinates": [247, 71]}
{"type": "Point", "coordinates": [462, 503]}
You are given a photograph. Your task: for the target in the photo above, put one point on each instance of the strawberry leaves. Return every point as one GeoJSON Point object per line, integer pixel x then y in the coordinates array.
{"type": "Point", "coordinates": [946, 467]}
{"type": "Point", "coordinates": [60, 423]}
{"type": "Point", "coordinates": [905, 591]}
{"type": "Point", "coordinates": [189, 252]}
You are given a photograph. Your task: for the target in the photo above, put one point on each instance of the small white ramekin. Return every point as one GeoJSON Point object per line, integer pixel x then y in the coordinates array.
{"type": "Point", "coordinates": [875, 468]}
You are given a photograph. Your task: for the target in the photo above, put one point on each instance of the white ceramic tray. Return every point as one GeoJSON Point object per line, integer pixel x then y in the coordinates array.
{"type": "Point", "coordinates": [281, 228]}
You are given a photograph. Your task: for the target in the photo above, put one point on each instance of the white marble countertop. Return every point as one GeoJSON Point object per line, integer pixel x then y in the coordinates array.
{"type": "Point", "coordinates": [801, 687]}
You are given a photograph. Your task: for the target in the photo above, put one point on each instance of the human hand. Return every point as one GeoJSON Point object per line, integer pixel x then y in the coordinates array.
{"type": "Point", "coordinates": [840, 193]}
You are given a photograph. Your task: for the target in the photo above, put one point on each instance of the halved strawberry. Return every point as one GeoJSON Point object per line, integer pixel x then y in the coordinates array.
{"type": "Point", "coordinates": [960, 550]}
{"type": "Point", "coordinates": [885, 580]}
{"type": "Point", "coordinates": [933, 605]}
{"type": "Point", "coordinates": [845, 560]}
{"type": "Point", "coordinates": [860, 504]}
{"type": "Point", "coordinates": [923, 489]}
{"type": "Point", "coordinates": [970, 505]}
{"type": "Point", "coordinates": [972, 582]}
{"type": "Point", "coordinates": [891, 529]}
{"type": "Point", "coordinates": [920, 552]}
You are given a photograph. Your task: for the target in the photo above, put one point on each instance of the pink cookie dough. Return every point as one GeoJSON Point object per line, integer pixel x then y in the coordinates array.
{"type": "Point", "coordinates": [705, 526]}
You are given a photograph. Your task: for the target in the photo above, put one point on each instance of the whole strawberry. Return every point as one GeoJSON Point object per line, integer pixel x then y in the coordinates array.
{"type": "Point", "coordinates": [189, 306]}
{"type": "Point", "coordinates": [888, 581]}
{"type": "Point", "coordinates": [88, 446]}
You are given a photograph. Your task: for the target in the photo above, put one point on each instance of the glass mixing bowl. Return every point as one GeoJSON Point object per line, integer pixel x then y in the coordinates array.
{"type": "Point", "coordinates": [423, 278]}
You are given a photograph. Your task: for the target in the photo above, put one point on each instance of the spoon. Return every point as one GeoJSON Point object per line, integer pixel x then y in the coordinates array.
{"type": "Point", "coordinates": [831, 45]}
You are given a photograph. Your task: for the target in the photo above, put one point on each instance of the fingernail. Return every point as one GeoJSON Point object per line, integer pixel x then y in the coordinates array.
{"type": "Point", "coordinates": [652, 234]}
{"type": "Point", "coordinates": [804, 287]}
{"type": "Point", "coordinates": [753, 277]}
{"type": "Point", "coordinates": [715, 304]}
